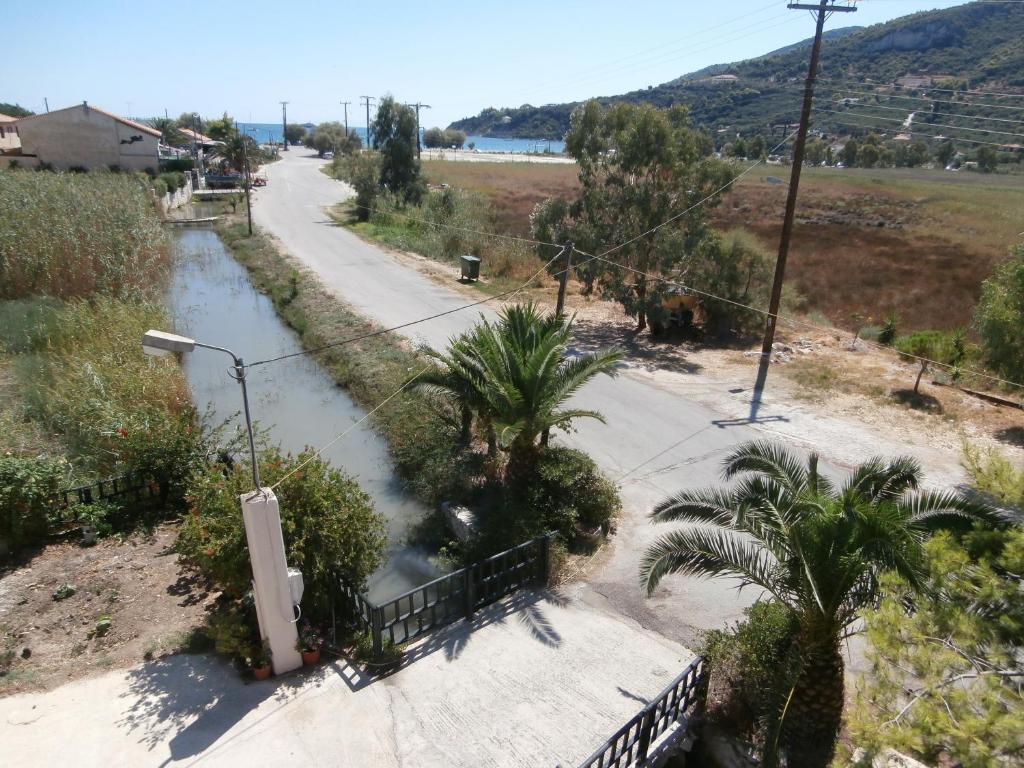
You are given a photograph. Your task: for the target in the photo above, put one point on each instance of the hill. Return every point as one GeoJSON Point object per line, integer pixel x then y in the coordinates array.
{"type": "Point", "coordinates": [978, 46]}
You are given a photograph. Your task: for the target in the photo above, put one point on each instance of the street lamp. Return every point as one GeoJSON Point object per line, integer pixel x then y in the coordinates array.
{"type": "Point", "coordinates": [161, 343]}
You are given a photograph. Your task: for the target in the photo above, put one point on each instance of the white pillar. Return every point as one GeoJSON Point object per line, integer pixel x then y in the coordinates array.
{"type": "Point", "coordinates": [270, 578]}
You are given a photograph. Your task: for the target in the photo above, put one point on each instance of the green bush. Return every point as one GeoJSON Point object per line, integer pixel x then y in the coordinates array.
{"type": "Point", "coordinates": [568, 489]}
{"type": "Point", "coordinates": [362, 171]}
{"type": "Point", "coordinates": [178, 164]}
{"type": "Point", "coordinates": [329, 524]}
{"type": "Point", "coordinates": [173, 180]}
{"type": "Point", "coordinates": [999, 317]}
{"type": "Point", "coordinates": [27, 488]}
{"type": "Point", "coordinates": [887, 333]}
{"type": "Point", "coordinates": [753, 667]}
{"type": "Point", "coordinates": [105, 517]}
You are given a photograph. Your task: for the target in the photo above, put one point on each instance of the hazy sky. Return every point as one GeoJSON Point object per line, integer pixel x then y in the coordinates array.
{"type": "Point", "coordinates": [142, 57]}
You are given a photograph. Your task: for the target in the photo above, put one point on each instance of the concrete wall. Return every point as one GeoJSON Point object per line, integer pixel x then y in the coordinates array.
{"type": "Point", "coordinates": [86, 137]}
{"type": "Point", "coordinates": [178, 198]}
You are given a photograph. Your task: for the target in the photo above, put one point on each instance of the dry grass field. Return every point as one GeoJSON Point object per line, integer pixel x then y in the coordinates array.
{"type": "Point", "coordinates": [917, 242]}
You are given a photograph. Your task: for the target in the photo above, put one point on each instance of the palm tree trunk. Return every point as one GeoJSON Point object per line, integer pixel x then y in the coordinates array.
{"type": "Point", "coordinates": [466, 435]}
{"type": "Point", "coordinates": [815, 712]}
{"type": "Point", "coordinates": [522, 458]}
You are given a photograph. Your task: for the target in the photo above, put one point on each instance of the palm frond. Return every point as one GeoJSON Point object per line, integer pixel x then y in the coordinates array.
{"type": "Point", "coordinates": [709, 552]}
{"type": "Point", "coordinates": [699, 505]}
{"type": "Point", "coordinates": [937, 509]}
{"type": "Point", "coordinates": [768, 459]}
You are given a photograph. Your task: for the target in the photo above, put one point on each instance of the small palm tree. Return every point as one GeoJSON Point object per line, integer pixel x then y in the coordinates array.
{"type": "Point", "coordinates": [815, 548]}
{"type": "Point", "coordinates": [459, 381]}
{"type": "Point", "coordinates": [514, 376]}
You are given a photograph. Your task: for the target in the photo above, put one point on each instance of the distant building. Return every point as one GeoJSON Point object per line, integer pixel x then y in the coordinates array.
{"type": "Point", "coordinates": [9, 138]}
{"type": "Point", "coordinates": [87, 137]}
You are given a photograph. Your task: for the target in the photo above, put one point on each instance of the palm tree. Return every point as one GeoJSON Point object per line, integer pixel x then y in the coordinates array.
{"type": "Point", "coordinates": [817, 549]}
{"type": "Point", "coordinates": [459, 381]}
{"type": "Point", "coordinates": [513, 374]}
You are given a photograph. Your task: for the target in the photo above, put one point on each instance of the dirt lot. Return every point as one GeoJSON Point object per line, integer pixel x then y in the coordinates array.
{"type": "Point", "coordinates": [151, 602]}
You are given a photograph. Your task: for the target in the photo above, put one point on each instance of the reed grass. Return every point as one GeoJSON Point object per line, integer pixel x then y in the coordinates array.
{"type": "Point", "coordinates": [68, 236]}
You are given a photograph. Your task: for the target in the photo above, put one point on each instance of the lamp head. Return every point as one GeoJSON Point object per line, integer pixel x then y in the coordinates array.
{"type": "Point", "coordinates": [159, 343]}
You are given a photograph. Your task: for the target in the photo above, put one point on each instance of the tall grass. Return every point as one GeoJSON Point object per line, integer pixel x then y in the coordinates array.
{"type": "Point", "coordinates": [450, 223]}
{"type": "Point", "coordinates": [71, 235]}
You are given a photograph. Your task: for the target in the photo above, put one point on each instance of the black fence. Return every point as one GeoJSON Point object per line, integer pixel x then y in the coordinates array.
{"type": "Point", "coordinates": [443, 600]}
{"type": "Point", "coordinates": [631, 744]}
{"type": "Point", "coordinates": [131, 488]}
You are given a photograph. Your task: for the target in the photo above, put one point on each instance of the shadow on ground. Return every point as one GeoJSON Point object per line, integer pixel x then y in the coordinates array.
{"type": "Point", "coordinates": [639, 347]}
{"type": "Point", "coordinates": [453, 639]}
{"type": "Point", "coordinates": [196, 699]}
{"type": "Point", "coordinates": [1011, 436]}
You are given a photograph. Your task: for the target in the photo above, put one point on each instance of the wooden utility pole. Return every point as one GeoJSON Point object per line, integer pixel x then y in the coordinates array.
{"type": "Point", "coordinates": [418, 106]}
{"type": "Point", "coordinates": [345, 104]}
{"type": "Point", "coordinates": [248, 179]}
{"type": "Point", "coordinates": [366, 101]}
{"type": "Point", "coordinates": [822, 11]}
{"type": "Point", "coordinates": [563, 277]}
{"type": "Point", "coordinates": [284, 125]}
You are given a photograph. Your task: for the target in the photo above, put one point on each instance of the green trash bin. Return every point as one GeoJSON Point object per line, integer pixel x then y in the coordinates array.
{"type": "Point", "coordinates": [470, 267]}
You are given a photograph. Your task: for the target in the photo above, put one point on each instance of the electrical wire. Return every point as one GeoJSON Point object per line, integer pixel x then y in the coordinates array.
{"type": "Point", "coordinates": [930, 125]}
{"type": "Point", "coordinates": [921, 135]}
{"type": "Point", "coordinates": [858, 103]}
{"type": "Point", "coordinates": [975, 104]}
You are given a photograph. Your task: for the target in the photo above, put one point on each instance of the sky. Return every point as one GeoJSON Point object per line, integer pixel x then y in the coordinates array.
{"type": "Point", "coordinates": [141, 58]}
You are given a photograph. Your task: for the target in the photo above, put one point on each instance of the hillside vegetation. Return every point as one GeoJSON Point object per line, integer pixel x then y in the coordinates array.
{"type": "Point", "coordinates": [976, 46]}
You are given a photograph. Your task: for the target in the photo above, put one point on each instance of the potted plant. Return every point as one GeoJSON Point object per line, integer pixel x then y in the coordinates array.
{"type": "Point", "coordinates": [259, 660]}
{"type": "Point", "coordinates": [309, 644]}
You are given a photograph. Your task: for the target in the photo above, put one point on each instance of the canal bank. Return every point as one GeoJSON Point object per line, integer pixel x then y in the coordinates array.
{"type": "Point", "coordinates": [296, 402]}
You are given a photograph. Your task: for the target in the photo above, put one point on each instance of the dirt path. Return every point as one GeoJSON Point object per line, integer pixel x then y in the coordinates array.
{"type": "Point", "coordinates": [125, 602]}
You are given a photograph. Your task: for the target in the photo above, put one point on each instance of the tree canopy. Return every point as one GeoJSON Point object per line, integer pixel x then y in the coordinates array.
{"type": "Point", "coordinates": [641, 171]}
{"type": "Point", "coordinates": [394, 136]}
{"type": "Point", "coordinates": [294, 133]}
{"type": "Point", "coordinates": [999, 317]}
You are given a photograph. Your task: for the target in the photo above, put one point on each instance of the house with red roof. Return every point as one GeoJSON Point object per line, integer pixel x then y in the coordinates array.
{"type": "Point", "coordinates": [9, 139]}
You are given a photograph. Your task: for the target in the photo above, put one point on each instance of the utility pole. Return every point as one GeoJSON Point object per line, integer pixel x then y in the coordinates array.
{"type": "Point", "coordinates": [345, 104]}
{"type": "Point", "coordinates": [563, 278]}
{"type": "Point", "coordinates": [248, 187]}
{"type": "Point", "coordinates": [822, 11]}
{"type": "Point", "coordinates": [418, 106]}
{"type": "Point", "coordinates": [284, 124]}
{"type": "Point", "coordinates": [366, 101]}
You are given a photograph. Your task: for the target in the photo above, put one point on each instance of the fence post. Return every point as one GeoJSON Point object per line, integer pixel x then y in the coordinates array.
{"type": "Point", "coordinates": [376, 623]}
{"type": "Point", "coordinates": [469, 593]}
{"type": "Point", "coordinates": [644, 743]}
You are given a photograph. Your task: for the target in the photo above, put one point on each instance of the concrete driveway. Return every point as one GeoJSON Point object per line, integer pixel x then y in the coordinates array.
{"type": "Point", "coordinates": [659, 437]}
{"type": "Point", "coordinates": [537, 680]}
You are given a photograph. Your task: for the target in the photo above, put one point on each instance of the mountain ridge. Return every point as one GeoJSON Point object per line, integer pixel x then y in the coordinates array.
{"type": "Point", "coordinates": [977, 45]}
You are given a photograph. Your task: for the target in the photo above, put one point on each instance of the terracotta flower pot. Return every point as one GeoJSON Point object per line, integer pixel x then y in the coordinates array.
{"type": "Point", "coordinates": [309, 658]}
{"type": "Point", "coordinates": [261, 673]}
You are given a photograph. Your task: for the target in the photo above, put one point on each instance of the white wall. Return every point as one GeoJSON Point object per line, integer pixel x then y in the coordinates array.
{"type": "Point", "coordinates": [82, 136]}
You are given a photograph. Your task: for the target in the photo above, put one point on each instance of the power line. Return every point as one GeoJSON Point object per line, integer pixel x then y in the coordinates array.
{"type": "Point", "coordinates": [935, 125]}
{"type": "Point", "coordinates": [882, 95]}
{"type": "Point", "coordinates": [921, 135]}
{"type": "Point", "coordinates": [858, 103]}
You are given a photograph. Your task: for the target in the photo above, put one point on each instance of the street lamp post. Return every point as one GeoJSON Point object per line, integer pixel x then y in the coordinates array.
{"type": "Point", "coordinates": [277, 589]}
{"type": "Point", "coordinates": [160, 343]}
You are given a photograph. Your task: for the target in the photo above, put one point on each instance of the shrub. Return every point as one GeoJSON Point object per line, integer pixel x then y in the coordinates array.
{"type": "Point", "coordinates": [887, 333]}
{"type": "Point", "coordinates": [922, 347]}
{"type": "Point", "coordinates": [27, 487]}
{"type": "Point", "coordinates": [362, 171]}
{"type": "Point", "coordinates": [753, 667]}
{"type": "Point", "coordinates": [329, 525]}
{"type": "Point", "coordinates": [999, 317]}
{"type": "Point", "coordinates": [77, 235]}
{"type": "Point", "coordinates": [174, 180]}
{"type": "Point", "coordinates": [178, 164]}
{"type": "Point", "coordinates": [568, 489]}
{"type": "Point", "coordinates": [105, 517]}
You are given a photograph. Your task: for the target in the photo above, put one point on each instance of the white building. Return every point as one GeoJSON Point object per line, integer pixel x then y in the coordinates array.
{"type": "Point", "coordinates": [87, 137]}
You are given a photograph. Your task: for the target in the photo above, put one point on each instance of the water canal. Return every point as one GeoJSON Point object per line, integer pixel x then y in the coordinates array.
{"type": "Point", "coordinates": [295, 402]}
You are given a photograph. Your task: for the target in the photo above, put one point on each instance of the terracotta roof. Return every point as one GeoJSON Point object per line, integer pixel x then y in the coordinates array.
{"type": "Point", "coordinates": [197, 136]}
{"type": "Point", "coordinates": [130, 123]}
{"type": "Point", "coordinates": [6, 118]}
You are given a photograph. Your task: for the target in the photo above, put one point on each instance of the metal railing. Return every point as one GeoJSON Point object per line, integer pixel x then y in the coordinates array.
{"type": "Point", "coordinates": [126, 487]}
{"type": "Point", "coordinates": [631, 744]}
{"type": "Point", "coordinates": [446, 599]}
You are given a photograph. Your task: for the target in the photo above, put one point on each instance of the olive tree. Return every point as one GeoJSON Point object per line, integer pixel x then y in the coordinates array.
{"type": "Point", "coordinates": [394, 136]}
{"type": "Point", "coordinates": [999, 317]}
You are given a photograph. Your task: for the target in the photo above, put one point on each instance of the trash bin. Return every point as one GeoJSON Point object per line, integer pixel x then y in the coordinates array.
{"type": "Point", "coordinates": [470, 267]}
